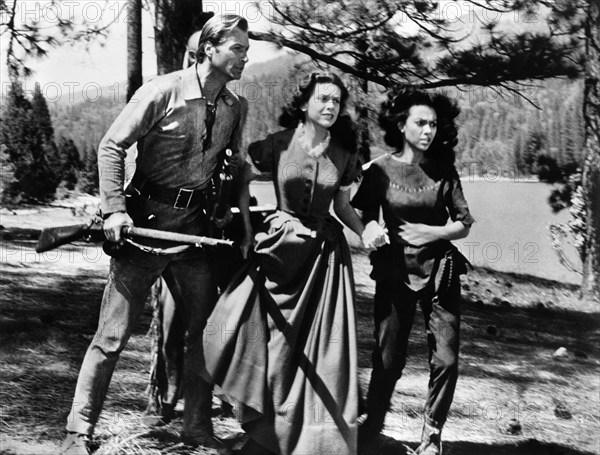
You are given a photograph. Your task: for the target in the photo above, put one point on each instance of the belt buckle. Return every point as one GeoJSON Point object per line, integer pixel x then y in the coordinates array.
{"type": "Point", "coordinates": [183, 199]}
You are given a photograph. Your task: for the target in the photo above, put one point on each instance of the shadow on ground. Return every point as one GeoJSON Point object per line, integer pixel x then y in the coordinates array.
{"type": "Point", "coordinates": [391, 446]}
{"type": "Point", "coordinates": [48, 314]}
{"type": "Point", "coordinates": [503, 332]}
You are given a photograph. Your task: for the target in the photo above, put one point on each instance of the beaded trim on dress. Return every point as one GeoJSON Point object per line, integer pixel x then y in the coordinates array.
{"type": "Point", "coordinates": [319, 149]}
{"type": "Point", "coordinates": [412, 189]}
{"type": "Point", "coordinates": [406, 189]}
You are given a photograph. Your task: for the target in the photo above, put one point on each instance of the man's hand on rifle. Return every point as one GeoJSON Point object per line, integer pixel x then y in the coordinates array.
{"type": "Point", "coordinates": [114, 224]}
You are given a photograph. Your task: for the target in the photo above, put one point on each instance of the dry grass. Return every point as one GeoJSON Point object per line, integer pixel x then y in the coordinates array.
{"type": "Point", "coordinates": [511, 327]}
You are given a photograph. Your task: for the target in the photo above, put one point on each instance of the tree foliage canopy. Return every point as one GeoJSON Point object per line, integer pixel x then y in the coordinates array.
{"type": "Point", "coordinates": [31, 29]}
{"type": "Point", "coordinates": [428, 43]}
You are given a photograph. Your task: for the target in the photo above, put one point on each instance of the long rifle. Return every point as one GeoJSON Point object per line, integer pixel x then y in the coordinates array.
{"type": "Point", "coordinates": [51, 238]}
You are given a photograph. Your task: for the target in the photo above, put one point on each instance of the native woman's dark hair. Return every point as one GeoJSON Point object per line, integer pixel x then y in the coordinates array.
{"type": "Point", "coordinates": [394, 112]}
{"type": "Point", "coordinates": [343, 130]}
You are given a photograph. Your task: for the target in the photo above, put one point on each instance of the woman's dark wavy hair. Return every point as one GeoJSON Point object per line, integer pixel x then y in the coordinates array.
{"type": "Point", "coordinates": [395, 109]}
{"type": "Point", "coordinates": [343, 130]}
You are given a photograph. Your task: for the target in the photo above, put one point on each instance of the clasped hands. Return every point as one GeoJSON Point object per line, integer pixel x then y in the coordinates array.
{"type": "Point", "coordinates": [374, 235]}
{"type": "Point", "coordinates": [416, 234]}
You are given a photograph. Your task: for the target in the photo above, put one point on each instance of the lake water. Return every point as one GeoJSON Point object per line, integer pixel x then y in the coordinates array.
{"type": "Point", "coordinates": [510, 233]}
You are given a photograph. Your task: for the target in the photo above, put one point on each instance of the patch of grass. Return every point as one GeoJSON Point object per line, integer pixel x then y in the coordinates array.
{"type": "Point", "coordinates": [511, 326]}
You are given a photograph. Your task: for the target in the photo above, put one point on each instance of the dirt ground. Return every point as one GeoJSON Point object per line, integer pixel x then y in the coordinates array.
{"type": "Point", "coordinates": [514, 396]}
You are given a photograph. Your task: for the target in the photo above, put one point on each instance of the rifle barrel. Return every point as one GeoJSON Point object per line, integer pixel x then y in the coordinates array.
{"type": "Point", "coordinates": [175, 236]}
{"type": "Point", "coordinates": [268, 208]}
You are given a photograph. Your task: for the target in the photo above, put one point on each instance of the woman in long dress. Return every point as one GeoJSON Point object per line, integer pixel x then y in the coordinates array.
{"type": "Point", "coordinates": [419, 192]}
{"type": "Point", "coordinates": [281, 342]}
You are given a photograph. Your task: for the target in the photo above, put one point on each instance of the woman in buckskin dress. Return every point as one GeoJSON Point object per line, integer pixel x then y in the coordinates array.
{"type": "Point", "coordinates": [281, 342]}
{"type": "Point", "coordinates": [419, 192]}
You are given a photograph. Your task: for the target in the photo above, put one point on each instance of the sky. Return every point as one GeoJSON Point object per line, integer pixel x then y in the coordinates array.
{"type": "Point", "coordinates": [101, 64]}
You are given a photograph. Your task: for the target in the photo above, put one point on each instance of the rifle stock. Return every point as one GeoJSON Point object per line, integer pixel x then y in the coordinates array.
{"type": "Point", "coordinates": [51, 238]}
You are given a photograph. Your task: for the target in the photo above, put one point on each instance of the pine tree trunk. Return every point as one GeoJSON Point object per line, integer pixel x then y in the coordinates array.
{"type": "Point", "coordinates": [362, 112]}
{"type": "Point", "coordinates": [364, 137]}
{"type": "Point", "coordinates": [134, 46]}
{"type": "Point", "coordinates": [591, 172]}
{"type": "Point", "coordinates": [175, 21]}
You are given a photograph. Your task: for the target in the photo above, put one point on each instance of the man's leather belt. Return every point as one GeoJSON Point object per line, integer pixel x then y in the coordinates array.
{"type": "Point", "coordinates": [179, 198]}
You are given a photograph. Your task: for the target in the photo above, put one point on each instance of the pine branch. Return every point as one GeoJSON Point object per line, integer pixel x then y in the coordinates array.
{"type": "Point", "coordinates": [316, 55]}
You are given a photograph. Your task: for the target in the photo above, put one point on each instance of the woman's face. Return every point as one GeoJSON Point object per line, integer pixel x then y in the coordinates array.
{"type": "Point", "coordinates": [323, 105]}
{"type": "Point", "coordinates": [420, 127]}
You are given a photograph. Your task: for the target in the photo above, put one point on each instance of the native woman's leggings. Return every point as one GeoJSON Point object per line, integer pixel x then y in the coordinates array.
{"type": "Point", "coordinates": [395, 307]}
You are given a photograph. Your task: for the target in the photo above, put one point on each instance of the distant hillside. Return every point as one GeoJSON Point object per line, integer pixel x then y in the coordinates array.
{"type": "Point", "coordinates": [497, 134]}
{"type": "Point", "coordinates": [85, 117]}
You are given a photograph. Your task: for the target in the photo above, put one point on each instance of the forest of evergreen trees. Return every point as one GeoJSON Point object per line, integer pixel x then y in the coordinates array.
{"type": "Point", "coordinates": [500, 135]}
{"type": "Point", "coordinates": [505, 136]}
{"type": "Point", "coordinates": [514, 138]}
{"type": "Point", "coordinates": [35, 161]}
